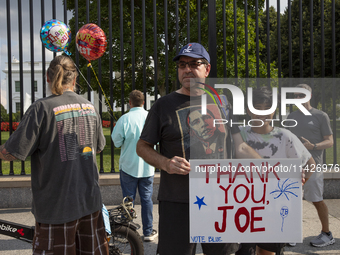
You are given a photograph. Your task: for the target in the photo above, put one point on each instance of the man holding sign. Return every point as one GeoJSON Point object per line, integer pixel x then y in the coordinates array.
{"type": "Point", "coordinates": [271, 142]}
{"type": "Point", "coordinates": [167, 124]}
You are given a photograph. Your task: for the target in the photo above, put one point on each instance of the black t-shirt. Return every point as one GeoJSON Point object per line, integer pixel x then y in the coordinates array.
{"type": "Point", "coordinates": [171, 123]}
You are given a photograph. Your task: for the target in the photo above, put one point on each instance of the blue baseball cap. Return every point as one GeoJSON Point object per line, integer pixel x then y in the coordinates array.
{"type": "Point", "coordinates": [194, 50]}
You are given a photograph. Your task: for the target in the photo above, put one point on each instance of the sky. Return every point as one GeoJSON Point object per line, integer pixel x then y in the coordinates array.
{"type": "Point", "coordinates": [283, 4]}
{"type": "Point", "coordinates": [36, 30]}
{"type": "Point", "coordinates": [25, 33]}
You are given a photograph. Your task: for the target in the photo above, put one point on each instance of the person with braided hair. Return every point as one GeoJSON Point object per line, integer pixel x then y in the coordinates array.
{"type": "Point", "coordinates": [62, 133]}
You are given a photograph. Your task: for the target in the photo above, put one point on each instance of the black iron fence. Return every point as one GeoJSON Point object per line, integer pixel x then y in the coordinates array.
{"type": "Point", "coordinates": [245, 39]}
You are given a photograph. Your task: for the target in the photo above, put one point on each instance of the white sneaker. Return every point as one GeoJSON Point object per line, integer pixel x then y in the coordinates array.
{"type": "Point", "coordinates": [151, 237]}
{"type": "Point", "coordinates": [292, 244]}
{"type": "Point", "coordinates": [323, 240]}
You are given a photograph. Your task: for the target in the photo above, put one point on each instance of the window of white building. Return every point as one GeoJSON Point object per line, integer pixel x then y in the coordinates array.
{"type": "Point", "coordinates": [17, 86]}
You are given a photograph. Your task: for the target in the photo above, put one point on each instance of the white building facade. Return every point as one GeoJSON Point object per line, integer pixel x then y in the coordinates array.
{"type": "Point", "coordinates": [16, 84]}
{"type": "Point", "coordinates": [38, 88]}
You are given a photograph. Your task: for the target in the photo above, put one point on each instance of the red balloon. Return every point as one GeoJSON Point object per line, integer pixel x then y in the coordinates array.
{"type": "Point", "coordinates": [91, 41]}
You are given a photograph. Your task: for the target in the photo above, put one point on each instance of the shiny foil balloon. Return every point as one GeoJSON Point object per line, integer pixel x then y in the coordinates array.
{"type": "Point", "coordinates": [55, 36]}
{"type": "Point", "coordinates": [91, 41]}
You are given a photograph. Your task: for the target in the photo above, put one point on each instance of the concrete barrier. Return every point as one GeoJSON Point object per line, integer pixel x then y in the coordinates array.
{"type": "Point", "coordinates": [15, 191]}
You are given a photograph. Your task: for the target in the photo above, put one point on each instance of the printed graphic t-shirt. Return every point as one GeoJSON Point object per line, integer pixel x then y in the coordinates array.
{"type": "Point", "coordinates": [62, 135]}
{"type": "Point", "coordinates": [180, 133]}
{"type": "Point", "coordinates": [279, 143]}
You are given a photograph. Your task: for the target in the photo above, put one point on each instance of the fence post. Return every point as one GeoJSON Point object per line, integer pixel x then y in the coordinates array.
{"type": "Point", "coordinates": [212, 37]}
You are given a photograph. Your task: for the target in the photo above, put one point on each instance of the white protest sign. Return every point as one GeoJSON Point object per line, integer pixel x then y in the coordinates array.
{"type": "Point", "coordinates": [248, 200]}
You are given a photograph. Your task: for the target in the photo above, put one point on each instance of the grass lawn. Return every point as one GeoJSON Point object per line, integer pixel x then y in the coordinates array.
{"type": "Point", "coordinates": [107, 154]}
{"type": "Point", "coordinates": [17, 165]}
{"type": "Point", "coordinates": [107, 164]}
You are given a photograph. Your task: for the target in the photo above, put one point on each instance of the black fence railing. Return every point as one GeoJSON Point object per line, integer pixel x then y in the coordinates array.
{"type": "Point", "coordinates": [245, 39]}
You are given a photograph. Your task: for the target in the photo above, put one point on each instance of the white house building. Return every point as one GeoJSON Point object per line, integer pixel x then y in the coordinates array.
{"type": "Point", "coordinates": [38, 88]}
{"type": "Point", "coordinates": [38, 85]}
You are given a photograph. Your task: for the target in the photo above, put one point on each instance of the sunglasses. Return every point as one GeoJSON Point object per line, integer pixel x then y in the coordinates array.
{"type": "Point", "coordinates": [192, 64]}
{"type": "Point", "coordinates": [299, 95]}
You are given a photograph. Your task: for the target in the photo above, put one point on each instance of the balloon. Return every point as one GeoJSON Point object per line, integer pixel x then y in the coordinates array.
{"type": "Point", "coordinates": [56, 36]}
{"type": "Point", "coordinates": [91, 41]}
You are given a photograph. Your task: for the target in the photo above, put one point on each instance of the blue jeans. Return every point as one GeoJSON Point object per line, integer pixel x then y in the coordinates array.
{"type": "Point", "coordinates": [129, 186]}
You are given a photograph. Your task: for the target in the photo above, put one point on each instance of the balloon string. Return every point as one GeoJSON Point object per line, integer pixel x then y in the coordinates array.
{"type": "Point", "coordinates": [89, 65]}
{"type": "Point", "coordinates": [92, 88]}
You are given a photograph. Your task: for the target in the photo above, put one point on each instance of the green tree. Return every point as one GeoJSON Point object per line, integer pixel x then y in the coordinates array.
{"type": "Point", "coordinates": [306, 44]}
{"type": "Point", "coordinates": [329, 110]}
{"type": "Point", "coordinates": [295, 33]}
{"type": "Point", "coordinates": [173, 38]}
{"type": "Point", "coordinates": [4, 115]}
{"type": "Point", "coordinates": [295, 38]}
{"type": "Point", "coordinates": [273, 40]}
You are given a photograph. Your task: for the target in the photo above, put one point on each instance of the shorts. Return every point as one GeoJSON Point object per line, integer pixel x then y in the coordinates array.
{"type": "Point", "coordinates": [174, 237]}
{"type": "Point", "coordinates": [250, 248]}
{"type": "Point", "coordinates": [83, 236]}
{"type": "Point", "coordinates": [313, 188]}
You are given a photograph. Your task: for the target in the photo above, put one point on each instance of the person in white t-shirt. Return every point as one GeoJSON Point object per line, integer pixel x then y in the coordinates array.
{"type": "Point", "coordinates": [270, 142]}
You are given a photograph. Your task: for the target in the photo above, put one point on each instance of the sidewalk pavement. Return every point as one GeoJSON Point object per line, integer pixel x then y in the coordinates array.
{"type": "Point", "coordinates": [311, 228]}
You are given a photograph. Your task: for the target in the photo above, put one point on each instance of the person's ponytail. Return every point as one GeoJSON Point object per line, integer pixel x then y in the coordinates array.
{"type": "Point", "coordinates": [61, 74]}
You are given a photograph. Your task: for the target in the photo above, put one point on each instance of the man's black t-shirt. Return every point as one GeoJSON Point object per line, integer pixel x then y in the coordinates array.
{"type": "Point", "coordinates": [171, 124]}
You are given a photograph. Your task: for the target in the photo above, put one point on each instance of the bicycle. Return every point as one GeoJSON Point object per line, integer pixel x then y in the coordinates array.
{"type": "Point", "coordinates": [124, 238]}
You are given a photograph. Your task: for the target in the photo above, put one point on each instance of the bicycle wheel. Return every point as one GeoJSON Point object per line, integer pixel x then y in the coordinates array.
{"type": "Point", "coordinates": [125, 241]}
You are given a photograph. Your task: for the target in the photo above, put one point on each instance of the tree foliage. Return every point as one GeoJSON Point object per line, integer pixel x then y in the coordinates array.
{"type": "Point", "coordinates": [4, 115]}
{"type": "Point", "coordinates": [308, 71]}
{"type": "Point", "coordinates": [145, 74]}
{"type": "Point", "coordinates": [317, 36]}
{"type": "Point", "coordinates": [306, 43]}
{"type": "Point", "coordinates": [273, 41]}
